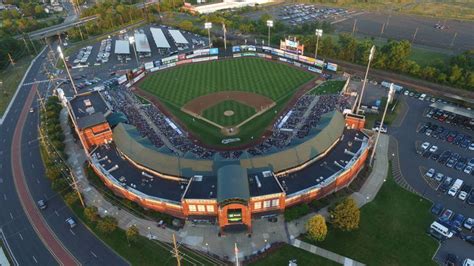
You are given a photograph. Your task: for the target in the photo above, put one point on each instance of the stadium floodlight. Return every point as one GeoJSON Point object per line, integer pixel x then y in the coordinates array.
{"type": "Point", "coordinates": [225, 39]}
{"type": "Point", "coordinates": [318, 33]}
{"type": "Point", "coordinates": [208, 26]}
{"type": "Point", "coordinates": [60, 51]}
{"type": "Point", "coordinates": [131, 40]}
{"type": "Point", "coordinates": [371, 57]}
{"type": "Point", "coordinates": [391, 92]}
{"type": "Point", "coordinates": [269, 25]}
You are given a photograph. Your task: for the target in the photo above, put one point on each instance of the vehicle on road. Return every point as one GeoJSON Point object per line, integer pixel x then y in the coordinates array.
{"type": "Point", "coordinates": [71, 222]}
{"type": "Point", "coordinates": [42, 204]}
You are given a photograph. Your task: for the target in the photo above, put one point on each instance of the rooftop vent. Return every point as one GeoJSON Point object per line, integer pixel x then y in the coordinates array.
{"type": "Point", "coordinates": [87, 103]}
{"type": "Point", "coordinates": [197, 178]}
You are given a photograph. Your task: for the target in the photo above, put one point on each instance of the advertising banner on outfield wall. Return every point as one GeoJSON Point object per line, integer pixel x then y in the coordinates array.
{"type": "Point", "coordinates": [235, 49]}
{"type": "Point", "coordinates": [168, 60]}
{"type": "Point", "coordinates": [182, 62]}
{"type": "Point", "coordinates": [154, 69]}
{"type": "Point", "coordinates": [316, 70]}
{"type": "Point", "coordinates": [181, 57]}
{"type": "Point", "coordinates": [307, 60]}
{"type": "Point", "coordinates": [267, 49]}
{"type": "Point", "coordinates": [331, 66]}
{"type": "Point", "coordinates": [261, 55]}
{"type": "Point", "coordinates": [291, 56]}
{"type": "Point", "coordinates": [213, 58]}
{"type": "Point", "coordinates": [149, 65]}
{"type": "Point", "coordinates": [249, 54]}
{"type": "Point", "coordinates": [214, 51]}
{"type": "Point", "coordinates": [237, 55]}
{"type": "Point", "coordinates": [319, 63]}
{"type": "Point", "coordinates": [202, 59]}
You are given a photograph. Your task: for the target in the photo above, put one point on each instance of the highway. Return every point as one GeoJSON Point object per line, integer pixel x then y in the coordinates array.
{"type": "Point", "coordinates": [26, 245]}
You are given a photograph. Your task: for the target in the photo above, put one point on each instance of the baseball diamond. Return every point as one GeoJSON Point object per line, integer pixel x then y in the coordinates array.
{"type": "Point", "coordinates": [197, 95]}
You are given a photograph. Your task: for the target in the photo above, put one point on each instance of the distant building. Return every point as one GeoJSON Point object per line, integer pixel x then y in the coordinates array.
{"type": "Point", "coordinates": [226, 4]}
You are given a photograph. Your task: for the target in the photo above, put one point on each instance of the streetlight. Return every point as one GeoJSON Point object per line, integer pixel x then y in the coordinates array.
{"type": "Point", "coordinates": [208, 26]}
{"type": "Point", "coordinates": [60, 51]}
{"type": "Point", "coordinates": [371, 56]}
{"type": "Point", "coordinates": [389, 99]}
{"type": "Point", "coordinates": [131, 40]}
{"type": "Point", "coordinates": [318, 33]}
{"type": "Point", "coordinates": [269, 25]}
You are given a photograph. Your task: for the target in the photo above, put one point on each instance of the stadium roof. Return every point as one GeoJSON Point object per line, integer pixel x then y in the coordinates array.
{"type": "Point", "coordinates": [232, 183]}
{"type": "Point", "coordinates": [159, 38]}
{"type": "Point", "coordinates": [141, 43]}
{"type": "Point", "coordinates": [122, 47]}
{"type": "Point", "coordinates": [178, 37]}
{"type": "Point", "coordinates": [142, 151]}
{"type": "Point", "coordinates": [453, 109]}
{"type": "Point", "coordinates": [89, 109]}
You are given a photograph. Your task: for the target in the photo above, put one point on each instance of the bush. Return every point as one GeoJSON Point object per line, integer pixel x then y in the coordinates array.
{"type": "Point", "coordinates": [107, 225]}
{"type": "Point", "coordinates": [346, 215]}
{"type": "Point", "coordinates": [132, 234]}
{"type": "Point", "coordinates": [317, 228]}
{"type": "Point", "coordinates": [91, 213]}
{"type": "Point", "coordinates": [71, 198]}
{"type": "Point", "coordinates": [296, 212]}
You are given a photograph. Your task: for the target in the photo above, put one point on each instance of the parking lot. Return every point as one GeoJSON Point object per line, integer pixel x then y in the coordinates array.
{"type": "Point", "coordinates": [436, 159]}
{"type": "Point", "coordinates": [95, 64]}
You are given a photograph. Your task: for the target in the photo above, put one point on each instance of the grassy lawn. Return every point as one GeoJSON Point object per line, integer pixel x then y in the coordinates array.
{"type": "Point", "coordinates": [216, 113]}
{"type": "Point", "coordinates": [143, 252]}
{"type": "Point", "coordinates": [425, 57]}
{"type": "Point", "coordinates": [175, 87]}
{"type": "Point", "coordinates": [328, 87]}
{"type": "Point", "coordinates": [392, 230]}
{"type": "Point", "coordinates": [287, 252]}
{"type": "Point", "coordinates": [11, 77]}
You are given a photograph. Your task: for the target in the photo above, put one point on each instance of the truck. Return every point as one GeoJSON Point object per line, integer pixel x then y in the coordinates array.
{"type": "Point", "coordinates": [455, 187]}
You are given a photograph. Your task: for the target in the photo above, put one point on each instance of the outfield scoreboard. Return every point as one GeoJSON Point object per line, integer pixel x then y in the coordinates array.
{"type": "Point", "coordinates": [292, 45]}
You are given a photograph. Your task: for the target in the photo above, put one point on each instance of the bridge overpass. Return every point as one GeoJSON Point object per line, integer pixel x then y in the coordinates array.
{"type": "Point", "coordinates": [63, 27]}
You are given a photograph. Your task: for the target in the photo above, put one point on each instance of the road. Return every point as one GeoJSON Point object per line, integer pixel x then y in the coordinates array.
{"type": "Point", "coordinates": [24, 242]}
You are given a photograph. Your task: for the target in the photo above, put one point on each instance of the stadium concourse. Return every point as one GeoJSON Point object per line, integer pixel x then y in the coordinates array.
{"type": "Point", "coordinates": [145, 156]}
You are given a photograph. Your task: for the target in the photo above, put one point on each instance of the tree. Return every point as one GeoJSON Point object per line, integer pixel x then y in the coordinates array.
{"type": "Point", "coordinates": [186, 25]}
{"type": "Point", "coordinates": [107, 225]}
{"type": "Point", "coordinates": [71, 198]}
{"type": "Point", "coordinates": [348, 46]}
{"type": "Point", "coordinates": [132, 234]}
{"type": "Point", "coordinates": [346, 215]}
{"type": "Point", "coordinates": [317, 228]}
{"type": "Point", "coordinates": [91, 213]}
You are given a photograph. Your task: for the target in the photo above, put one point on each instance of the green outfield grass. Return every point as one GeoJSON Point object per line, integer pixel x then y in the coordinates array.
{"type": "Point", "coordinates": [328, 87]}
{"type": "Point", "coordinates": [177, 86]}
{"type": "Point", "coordinates": [216, 113]}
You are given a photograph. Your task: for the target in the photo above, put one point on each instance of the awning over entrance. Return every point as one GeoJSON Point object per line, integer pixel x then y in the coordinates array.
{"type": "Point", "coordinates": [232, 183]}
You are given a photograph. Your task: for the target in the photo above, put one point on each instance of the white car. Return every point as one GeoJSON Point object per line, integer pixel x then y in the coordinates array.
{"type": "Point", "coordinates": [471, 147]}
{"type": "Point", "coordinates": [425, 145]}
{"type": "Point", "coordinates": [468, 170]}
{"type": "Point", "coordinates": [430, 173]}
{"type": "Point", "coordinates": [469, 223]}
{"type": "Point", "coordinates": [462, 195]}
{"type": "Point", "coordinates": [439, 177]}
{"type": "Point", "coordinates": [433, 148]}
{"type": "Point", "coordinates": [406, 93]}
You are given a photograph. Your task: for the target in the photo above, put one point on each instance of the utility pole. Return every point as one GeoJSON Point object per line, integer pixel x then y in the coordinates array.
{"type": "Point", "coordinates": [208, 26]}
{"type": "Point", "coordinates": [454, 38]}
{"type": "Point", "coordinates": [269, 25]}
{"type": "Point", "coordinates": [176, 251]}
{"type": "Point", "coordinates": [80, 31]}
{"type": "Point", "coordinates": [354, 27]}
{"type": "Point", "coordinates": [26, 45]}
{"type": "Point", "coordinates": [414, 35]}
{"type": "Point", "coordinates": [11, 59]}
{"type": "Point", "coordinates": [383, 28]}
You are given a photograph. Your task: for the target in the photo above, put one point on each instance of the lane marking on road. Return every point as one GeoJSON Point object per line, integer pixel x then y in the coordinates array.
{"type": "Point", "coordinates": [37, 180]}
{"type": "Point", "coordinates": [21, 236]}
{"type": "Point", "coordinates": [11, 215]}
{"type": "Point", "coordinates": [35, 259]}
{"type": "Point", "coordinates": [72, 232]}
{"type": "Point", "coordinates": [33, 166]}
{"type": "Point", "coordinates": [93, 254]}
{"type": "Point", "coordinates": [4, 196]}
{"type": "Point", "coordinates": [56, 212]}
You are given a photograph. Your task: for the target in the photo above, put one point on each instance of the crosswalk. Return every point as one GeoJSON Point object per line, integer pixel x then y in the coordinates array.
{"type": "Point", "coordinates": [396, 171]}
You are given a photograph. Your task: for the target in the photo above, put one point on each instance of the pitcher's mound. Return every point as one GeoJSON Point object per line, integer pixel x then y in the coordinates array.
{"type": "Point", "coordinates": [229, 113]}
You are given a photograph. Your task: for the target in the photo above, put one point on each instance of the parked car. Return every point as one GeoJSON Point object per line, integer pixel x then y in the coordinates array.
{"type": "Point", "coordinates": [451, 260]}
{"type": "Point", "coordinates": [446, 215]}
{"type": "Point", "coordinates": [458, 220]}
{"type": "Point", "coordinates": [470, 199]}
{"type": "Point", "coordinates": [470, 240]}
{"type": "Point", "coordinates": [430, 173]}
{"type": "Point", "coordinates": [437, 209]}
{"type": "Point", "coordinates": [425, 145]}
{"type": "Point", "coordinates": [446, 184]}
{"type": "Point", "coordinates": [439, 177]}
{"type": "Point", "coordinates": [469, 223]}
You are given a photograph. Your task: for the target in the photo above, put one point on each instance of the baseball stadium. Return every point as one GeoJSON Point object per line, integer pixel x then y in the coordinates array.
{"type": "Point", "coordinates": [223, 138]}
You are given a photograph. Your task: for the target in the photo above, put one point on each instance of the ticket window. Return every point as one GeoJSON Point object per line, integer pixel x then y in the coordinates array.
{"type": "Point", "coordinates": [234, 215]}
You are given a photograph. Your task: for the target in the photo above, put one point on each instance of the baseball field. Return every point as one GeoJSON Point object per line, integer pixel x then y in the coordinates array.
{"type": "Point", "coordinates": [234, 98]}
